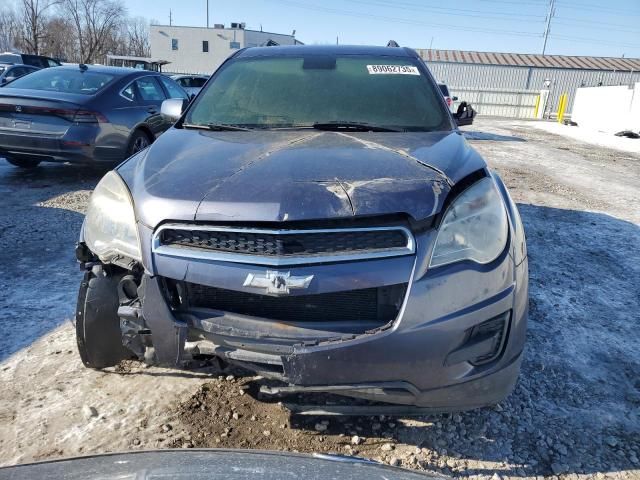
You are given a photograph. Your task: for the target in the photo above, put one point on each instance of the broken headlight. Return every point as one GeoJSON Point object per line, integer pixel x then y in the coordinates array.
{"type": "Point", "coordinates": [110, 224]}
{"type": "Point", "coordinates": [474, 227]}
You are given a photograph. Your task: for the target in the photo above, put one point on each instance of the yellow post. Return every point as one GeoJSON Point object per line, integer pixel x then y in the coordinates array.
{"type": "Point", "coordinates": [535, 110]}
{"type": "Point", "coordinates": [562, 106]}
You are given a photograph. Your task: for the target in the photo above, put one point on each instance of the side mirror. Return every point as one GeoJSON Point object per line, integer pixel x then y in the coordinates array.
{"type": "Point", "coordinates": [465, 114]}
{"type": "Point", "coordinates": [172, 109]}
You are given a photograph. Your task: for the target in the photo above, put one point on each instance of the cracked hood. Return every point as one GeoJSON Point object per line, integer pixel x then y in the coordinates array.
{"type": "Point", "coordinates": [189, 175]}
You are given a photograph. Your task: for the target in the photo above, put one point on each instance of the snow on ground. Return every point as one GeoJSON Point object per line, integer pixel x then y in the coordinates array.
{"type": "Point", "coordinates": [575, 411]}
{"type": "Point", "coordinates": [594, 137]}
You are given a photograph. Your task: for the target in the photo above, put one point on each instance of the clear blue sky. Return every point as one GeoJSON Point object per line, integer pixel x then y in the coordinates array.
{"type": "Point", "coordinates": [578, 27]}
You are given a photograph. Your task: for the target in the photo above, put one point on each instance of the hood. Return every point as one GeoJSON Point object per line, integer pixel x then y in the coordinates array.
{"type": "Point", "coordinates": [211, 463]}
{"type": "Point", "coordinates": [268, 176]}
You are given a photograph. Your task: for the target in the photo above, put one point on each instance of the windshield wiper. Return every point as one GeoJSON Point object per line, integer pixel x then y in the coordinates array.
{"type": "Point", "coordinates": [217, 127]}
{"type": "Point", "coordinates": [355, 126]}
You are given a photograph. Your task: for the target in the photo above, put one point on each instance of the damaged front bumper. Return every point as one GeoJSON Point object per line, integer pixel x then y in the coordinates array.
{"type": "Point", "coordinates": [460, 352]}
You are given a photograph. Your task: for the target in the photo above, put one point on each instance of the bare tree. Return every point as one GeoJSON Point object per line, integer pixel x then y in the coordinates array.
{"type": "Point", "coordinates": [96, 23]}
{"type": "Point", "coordinates": [34, 14]}
{"type": "Point", "coordinates": [60, 39]}
{"type": "Point", "coordinates": [138, 37]}
{"type": "Point", "coordinates": [9, 28]}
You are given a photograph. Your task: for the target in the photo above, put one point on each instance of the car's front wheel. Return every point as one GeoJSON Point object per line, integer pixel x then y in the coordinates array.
{"type": "Point", "coordinates": [23, 162]}
{"type": "Point", "coordinates": [97, 323]}
{"type": "Point", "coordinates": [138, 141]}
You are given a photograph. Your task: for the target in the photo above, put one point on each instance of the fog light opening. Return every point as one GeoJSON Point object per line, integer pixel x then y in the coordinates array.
{"type": "Point", "coordinates": [483, 343]}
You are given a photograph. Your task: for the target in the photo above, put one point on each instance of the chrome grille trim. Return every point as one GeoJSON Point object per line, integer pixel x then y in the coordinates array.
{"type": "Point", "coordinates": [200, 254]}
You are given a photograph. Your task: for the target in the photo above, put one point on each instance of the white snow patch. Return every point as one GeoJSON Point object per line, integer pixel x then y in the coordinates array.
{"type": "Point", "coordinates": [594, 137]}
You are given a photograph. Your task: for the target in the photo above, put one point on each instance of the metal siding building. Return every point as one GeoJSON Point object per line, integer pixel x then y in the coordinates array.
{"type": "Point", "coordinates": [202, 50]}
{"type": "Point", "coordinates": [506, 71]}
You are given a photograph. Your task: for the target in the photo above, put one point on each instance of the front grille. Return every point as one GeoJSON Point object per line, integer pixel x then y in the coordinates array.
{"type": "Point", "coordinates": [281, 244]}
{"type": "Point", "coordinates": [380, 304]}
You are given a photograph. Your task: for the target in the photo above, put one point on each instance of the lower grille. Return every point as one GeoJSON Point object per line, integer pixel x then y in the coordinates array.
{"type": "Point", "coordinates": [380, 304]}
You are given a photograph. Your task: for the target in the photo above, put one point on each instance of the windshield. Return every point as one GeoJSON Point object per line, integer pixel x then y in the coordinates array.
{"type": "Point", "coordinates": [296, 92]}
{"type": "Point", "coordinates": [63, 80]}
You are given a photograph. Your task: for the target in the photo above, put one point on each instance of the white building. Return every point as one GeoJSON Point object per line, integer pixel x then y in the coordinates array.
{"type": "Point", "coordinates": [202, 50]}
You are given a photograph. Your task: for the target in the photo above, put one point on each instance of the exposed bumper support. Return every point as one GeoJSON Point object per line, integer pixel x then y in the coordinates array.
{"type": "Point", "coordinates": [168, 334]}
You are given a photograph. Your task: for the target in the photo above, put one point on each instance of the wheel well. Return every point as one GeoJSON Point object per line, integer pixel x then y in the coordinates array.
{"type": "Point", "coordinates": [144, 129]}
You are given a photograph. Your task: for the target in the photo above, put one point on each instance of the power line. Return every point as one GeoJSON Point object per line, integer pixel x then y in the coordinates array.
{"type": "Point", "coordinates": [594, 41]}
{"type": "Point", "coordinates": [405, 20]}
{"type": "Point", "coordinates": [572, 22]}
{"type": "Point", "coordinates": [515, 2]}
{"type": "Point", "coordinates": [450, 11]}
{"type": "Point", "coordinates": [596, 8]}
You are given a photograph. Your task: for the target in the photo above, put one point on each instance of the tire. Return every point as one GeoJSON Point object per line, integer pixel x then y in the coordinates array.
{"type": "Point", "coordinates": [23, 162]}
{"type": "Point", "coordinates": [97, 322]}
{"type": "Point", "coordinates": [139, 141]}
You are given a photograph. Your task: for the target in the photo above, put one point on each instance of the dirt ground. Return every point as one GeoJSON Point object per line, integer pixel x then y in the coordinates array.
{"type": "Point", "coordinates": [574, 414]}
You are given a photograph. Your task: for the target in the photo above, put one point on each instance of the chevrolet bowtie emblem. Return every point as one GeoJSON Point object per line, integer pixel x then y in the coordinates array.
{"type": "Point", "coordinates": [277, 283]}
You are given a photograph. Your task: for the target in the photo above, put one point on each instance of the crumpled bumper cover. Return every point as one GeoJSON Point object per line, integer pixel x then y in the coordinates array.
{"type": "Point", "coordinates": [403, 364]}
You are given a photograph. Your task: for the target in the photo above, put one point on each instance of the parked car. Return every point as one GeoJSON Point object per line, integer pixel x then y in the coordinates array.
{"type": "Point", "coordinates": [334, 231]}
{"type": "Point", "coordinates": [82, 114]}
{"type": "Point", "coordinates": [198, 464]}
{"type": "Point", "coordinates": [39, 61]}
{"type": "Point", "coordinates": [191, 83]}
{"type": "Point", "coordinates": [447, 97]}
{"type": "Point", "coordinates": [9, 72]}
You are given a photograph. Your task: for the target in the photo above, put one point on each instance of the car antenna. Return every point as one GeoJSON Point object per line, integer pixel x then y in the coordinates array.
{"type": "Point", "coordinates": [83, 67]}
{"type": "Point", "coordinates": [392, 43]}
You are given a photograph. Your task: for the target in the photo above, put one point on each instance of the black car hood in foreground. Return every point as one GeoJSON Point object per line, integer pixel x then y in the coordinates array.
{"type": "Point", "coordinates": [209, 464]}
{"type": "Point", "coordinates": [196, 175]}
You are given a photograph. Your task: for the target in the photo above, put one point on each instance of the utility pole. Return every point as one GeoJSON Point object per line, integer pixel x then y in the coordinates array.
{"type": "Point", "coordinates": [548, 27]}
{"type": "Point", "coordinates": [207, 13]}
{"type": "Point", "coordinates": [170, 18]}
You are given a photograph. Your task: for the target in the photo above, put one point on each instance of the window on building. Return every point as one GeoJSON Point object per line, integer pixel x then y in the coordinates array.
{"type": "Point", "coordinates": [234, 45]}
{"type": "Point", "coordinates": [205, 46]}
{"type": "Point", "coordinates": [174, 44]}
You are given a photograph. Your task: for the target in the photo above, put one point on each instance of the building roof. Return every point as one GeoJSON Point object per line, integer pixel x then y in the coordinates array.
{"type": "Point", "coordinates": [530, 60]}
{"type": "Point", "coordinates": [162, 25]}
{"type": "Point", "coordinates": [327, 50]}
{"type": "Point", "coordinates": [137, 59]}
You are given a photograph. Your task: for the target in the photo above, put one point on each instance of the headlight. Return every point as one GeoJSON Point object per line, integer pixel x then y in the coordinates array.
{"type": "Point", "coordinates": [110, 224]}
{"type": "Point", "coordinates": [474, 227]}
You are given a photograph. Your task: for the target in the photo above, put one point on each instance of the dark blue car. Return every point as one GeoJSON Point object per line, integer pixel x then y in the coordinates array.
{"type": "Point", "coordinates": [315, 215]}
{"type": "Point", "coordinates": [82, 114]}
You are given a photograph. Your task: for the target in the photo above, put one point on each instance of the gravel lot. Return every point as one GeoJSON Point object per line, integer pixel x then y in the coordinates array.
{"type": "Point", "coordinates": [574, 414]}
